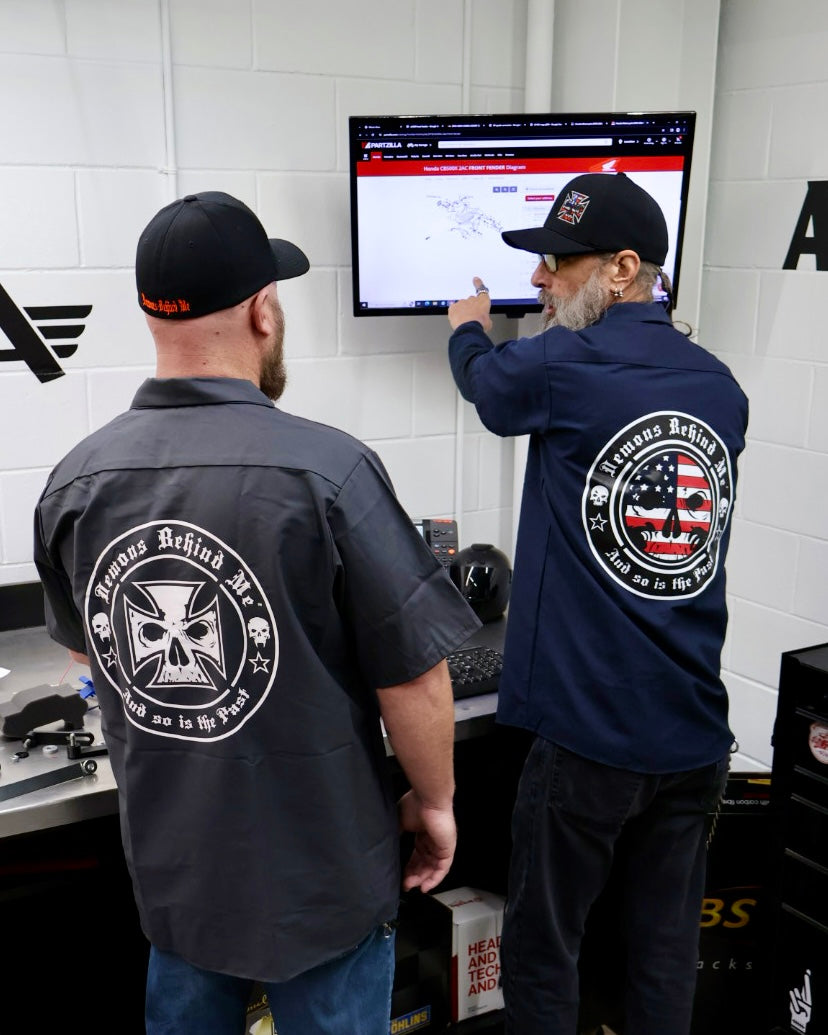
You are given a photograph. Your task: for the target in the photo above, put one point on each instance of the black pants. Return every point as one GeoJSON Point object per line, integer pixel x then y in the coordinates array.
{"type": "Point", "coordinates": [569, 816]}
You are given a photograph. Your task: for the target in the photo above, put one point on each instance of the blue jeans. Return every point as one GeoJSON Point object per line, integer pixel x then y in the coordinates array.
{"type": "Point", "coordinates": [571, 818]}
{"type": "Point", "coordinates": [350, 995]}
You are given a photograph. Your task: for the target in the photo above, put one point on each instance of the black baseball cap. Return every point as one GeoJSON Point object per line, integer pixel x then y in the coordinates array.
{"type": "Point", "coordinates": [598, 212]}
{"type": "Point", "coordinates": [208, 252]}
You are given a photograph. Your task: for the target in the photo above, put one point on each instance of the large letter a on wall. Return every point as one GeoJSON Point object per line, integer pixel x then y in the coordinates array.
{"type": "Point", "coordinates": [26, 343]}
{"type": "Point", "coordinates": [814, 208]}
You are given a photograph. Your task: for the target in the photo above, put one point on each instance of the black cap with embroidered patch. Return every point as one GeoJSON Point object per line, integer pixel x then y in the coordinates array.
{"type": "Point", "coordinates": [208, 252]}
{"type": "Point", "coordinates": [598, 212]}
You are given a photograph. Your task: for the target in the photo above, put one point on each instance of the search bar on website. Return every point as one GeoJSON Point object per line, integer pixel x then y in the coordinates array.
{"type": "Point", "coordinates": [573, 142]}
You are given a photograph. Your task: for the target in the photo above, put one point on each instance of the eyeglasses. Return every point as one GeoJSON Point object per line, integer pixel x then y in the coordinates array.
{"type": "Point", "coordinates": [553, 262]}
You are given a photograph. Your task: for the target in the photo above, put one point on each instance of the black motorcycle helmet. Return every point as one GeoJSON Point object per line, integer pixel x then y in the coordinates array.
{"type": "Point", "coordinates": [483, 575]}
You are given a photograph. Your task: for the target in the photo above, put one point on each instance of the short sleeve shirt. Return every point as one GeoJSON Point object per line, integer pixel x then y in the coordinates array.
{"type": "Point", "coordinates": [242, 581]}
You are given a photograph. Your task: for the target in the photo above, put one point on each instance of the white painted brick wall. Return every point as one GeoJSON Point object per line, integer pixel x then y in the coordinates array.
{"type": "Point", "coordinates": [434, 397]}
{"type": "Point", "coordinates": [68, 111]}
{"type": "Point", "coordinates": [762, 564]}
{"type": "Point", "coordinates": [436, 56]}
{"type": "Point", "coordinates": [228, 40]}
{"type": "Point", "coordinates": [784, 488]}
{"type": "Point", "coordinates": [129, 30]}
{"type": "Point", "coordinates": [262, 93]}
{"type": "Point", "coordinates": [811, 588]}
{"type": "Point", "coordinates": [788, 317]}
{"type": "Point", "coordinates": [766, 381]}
{"type": "Point", "coordinates": [817, 437]}
{"type": "Point", "coordinates": [728, 321]}
{"type": "Point", "coordinates": [40, 421]}
{"type": "Point", "coordinates": [743, 119]}
{"type": "Point", "coordinates": [39, 219]}
{"type": "Point", "coordinates": [20, 492]}
{"type": "Point", "coordinates": [752, 712]}
{"type": "Point", "coordinates": [113, 207]}
{"type": "Point", "coordinates": [758, 48]}
{"type": "Point", "coordinates": [229, 119]}
{"type": "Point", "coordinates": [769, 326]}
{"type": "Point", "coordinates": [32, 27]}
{"type": "Point", "coordinates": [361, 96]}
{"type": "Point", "coordinates": [284, 201]}
{"type": "Point", "coordinates": [362, 37]}
{"type": "Point", "coordinates": [353, 394]}
{"type": "Point", "coordinates": [422, 471]}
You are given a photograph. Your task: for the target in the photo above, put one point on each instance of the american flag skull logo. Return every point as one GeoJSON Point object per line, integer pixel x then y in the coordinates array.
{"type": "Point", "coordinates": [669, 507]}
{"type": "Point", "coordinates": [656, 505]}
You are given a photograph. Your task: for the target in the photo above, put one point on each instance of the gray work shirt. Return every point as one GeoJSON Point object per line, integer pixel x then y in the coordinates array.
{"type": "Point", "coordinates": [242, 580]}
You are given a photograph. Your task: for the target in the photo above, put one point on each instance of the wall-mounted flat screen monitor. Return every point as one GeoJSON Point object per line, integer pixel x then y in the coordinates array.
{"type": "Point", "coordinates": [430, 195]}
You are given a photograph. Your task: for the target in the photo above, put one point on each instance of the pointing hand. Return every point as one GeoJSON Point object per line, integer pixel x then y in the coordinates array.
{"type": "Point", "coordinates": [475, 307]}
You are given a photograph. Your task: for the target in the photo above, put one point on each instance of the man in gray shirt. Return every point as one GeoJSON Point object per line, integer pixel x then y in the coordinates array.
{"type": "Point", "coordinates": [251, 599]}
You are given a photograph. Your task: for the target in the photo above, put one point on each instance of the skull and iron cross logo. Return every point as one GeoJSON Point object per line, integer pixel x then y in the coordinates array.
{"type": "Point", "coordinates": [182, 630]}
{"type": "Point", "coordinates": [168, 633]}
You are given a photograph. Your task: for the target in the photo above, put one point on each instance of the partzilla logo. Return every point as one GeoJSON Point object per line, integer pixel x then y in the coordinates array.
{"type": "Point", "coordinates": [28, 330]}
{"type": "Point", "coordinates": [182, 630]}
{"type": "Point", "coordinates": [656, 504]}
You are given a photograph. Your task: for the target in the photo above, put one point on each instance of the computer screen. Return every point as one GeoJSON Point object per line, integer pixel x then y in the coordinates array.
{"type": "Point", "coordinates": [430, 195]}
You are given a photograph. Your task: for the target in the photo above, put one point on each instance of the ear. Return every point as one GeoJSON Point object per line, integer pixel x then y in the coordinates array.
{"type": "Point", "coordinates": [627, 264]}
{"type": "Point", "coordinates": [261, 310]}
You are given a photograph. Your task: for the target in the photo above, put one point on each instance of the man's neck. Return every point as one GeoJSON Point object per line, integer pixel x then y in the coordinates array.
{"type": "Point", "coordinates": [181, 360]}
{"type": "Point", "coordinates": [218, 345]}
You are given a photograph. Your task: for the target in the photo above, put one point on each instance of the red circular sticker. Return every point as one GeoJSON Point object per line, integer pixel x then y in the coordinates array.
{"type": "Point", "coordinates": [818, 742]}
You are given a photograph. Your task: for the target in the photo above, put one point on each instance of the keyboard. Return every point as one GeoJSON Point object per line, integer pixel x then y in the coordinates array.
{"type": "Point", "coordinates": [474, 670]}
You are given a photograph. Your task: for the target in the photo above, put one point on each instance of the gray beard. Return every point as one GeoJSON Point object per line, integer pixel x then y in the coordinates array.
{"type": "Point", "coordinates": [583, 308]}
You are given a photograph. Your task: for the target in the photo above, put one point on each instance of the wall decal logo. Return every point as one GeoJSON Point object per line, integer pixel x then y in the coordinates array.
{"type": "Point", "coordinates": [182, 630]}
{"type": "Point", "coordinates": [813, 214]}
{"type": "Point", "coordinates": [656, 503]}
{"type": "Point", "coordinates": [29, 329]}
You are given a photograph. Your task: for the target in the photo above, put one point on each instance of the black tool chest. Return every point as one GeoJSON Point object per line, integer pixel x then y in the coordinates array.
{"type": "Point", "coordinates": [798, 949]}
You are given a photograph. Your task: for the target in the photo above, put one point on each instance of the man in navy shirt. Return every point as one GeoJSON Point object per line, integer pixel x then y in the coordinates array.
{"type": "Point", "coordinates": [252, 600]}
{"type": "Point", "coordinates": [617, 613]}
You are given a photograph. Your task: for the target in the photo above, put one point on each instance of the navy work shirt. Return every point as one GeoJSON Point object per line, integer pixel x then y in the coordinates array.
{"type": "Point", "coordinates": [617, 613]}
{"type": "Point", "coordinates": [242, 580]}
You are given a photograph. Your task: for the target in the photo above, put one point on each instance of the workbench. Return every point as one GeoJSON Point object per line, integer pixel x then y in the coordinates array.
{"type": "Point", "coordinates": [69, 921]}
{"type": "Point", "coordinates": [33, 659]}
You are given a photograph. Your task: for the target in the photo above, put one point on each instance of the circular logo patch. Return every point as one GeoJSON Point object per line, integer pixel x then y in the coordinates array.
{"type": "Point", "coordinates": [182, 630]}
{"type": "Point", "coordinates": [656, 503]}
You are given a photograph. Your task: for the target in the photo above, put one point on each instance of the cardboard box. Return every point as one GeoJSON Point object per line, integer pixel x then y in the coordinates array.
{"type": "Point", "coordinates": [447, 957]}
{"type": "Point", "coordinates": [476, 919]}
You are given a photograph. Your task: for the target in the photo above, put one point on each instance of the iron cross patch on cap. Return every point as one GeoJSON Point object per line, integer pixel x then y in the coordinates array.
{"type": "Point", "coordinates": [573, 207]}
